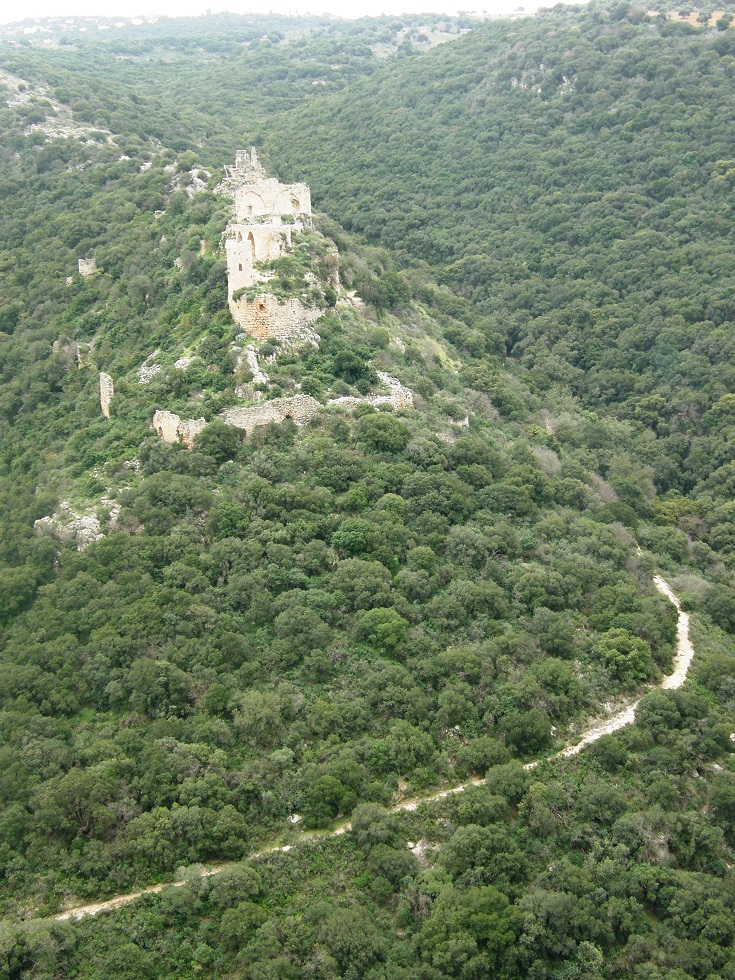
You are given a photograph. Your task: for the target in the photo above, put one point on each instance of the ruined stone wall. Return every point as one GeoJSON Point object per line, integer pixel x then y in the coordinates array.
{"type": "Point", "coordinates": [300, 408]}
{"type": "Point", "coordinates": [173, 429]}
{"type": "Point", "coordinates": [264, 316]}
{"type": "Point", "coordinates": [270, 198]}
{"type": "Point", "coordinates": [257, 234]}
{"type": "Point", "coordinates": [107, 392]}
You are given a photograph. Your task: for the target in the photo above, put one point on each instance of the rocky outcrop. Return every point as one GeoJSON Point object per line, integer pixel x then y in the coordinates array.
{"type": "Point", "coordinates": [107, 392]}
{"type": "Point", "coordinates": [398, 395]}
{"type": "Point", "coordinates": [66, 525]}
{"type": "Point", "coordinates": [249, 357]}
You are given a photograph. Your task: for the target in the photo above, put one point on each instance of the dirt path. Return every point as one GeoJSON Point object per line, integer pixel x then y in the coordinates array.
{"type": "Point", "coordinates": [603, 726]}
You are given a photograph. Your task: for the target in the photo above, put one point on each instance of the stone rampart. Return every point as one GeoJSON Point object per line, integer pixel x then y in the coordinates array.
{"type": "Point", "coordinates": [265, 317]}
{"type": "Point", "coordinates": [300, 408]}
{"type": "Point", "coordinates": [246, 245]}
{"type": "Point", "coordinates": [173, 429]}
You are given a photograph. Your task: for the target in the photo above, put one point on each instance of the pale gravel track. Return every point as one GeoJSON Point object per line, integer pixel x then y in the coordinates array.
{"type": "Point", "coordinates": [625, 716]}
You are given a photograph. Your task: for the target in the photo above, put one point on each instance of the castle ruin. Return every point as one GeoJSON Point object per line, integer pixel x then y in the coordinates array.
{"type": "Point", "coordinates": [266, 216]}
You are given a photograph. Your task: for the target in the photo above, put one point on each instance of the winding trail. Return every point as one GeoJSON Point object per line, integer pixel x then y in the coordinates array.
{"type": "Point", "coordinates": [625, 716]}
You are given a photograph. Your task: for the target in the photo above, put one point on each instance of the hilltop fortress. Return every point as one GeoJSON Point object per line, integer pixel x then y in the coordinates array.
{"type": "Point", "coordinates": [266, 215]}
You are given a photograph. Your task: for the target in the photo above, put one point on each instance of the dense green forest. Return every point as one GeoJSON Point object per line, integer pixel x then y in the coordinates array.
{"type": "Point", "coordinates": [269, 635]}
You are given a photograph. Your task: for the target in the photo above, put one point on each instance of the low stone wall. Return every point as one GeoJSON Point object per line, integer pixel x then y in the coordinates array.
{"type": "Point", "coordinates": [300, 408]}
{"type": "Point", "coordinates": [173, 429]}
{"type": "Point", "coordinates": [264, 317]}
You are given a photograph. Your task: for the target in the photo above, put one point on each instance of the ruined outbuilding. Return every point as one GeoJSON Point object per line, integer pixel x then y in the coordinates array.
{"type": "Point", "coordinates": [171, 428]}
{"type": "Point", "coordinates": [299, 408]}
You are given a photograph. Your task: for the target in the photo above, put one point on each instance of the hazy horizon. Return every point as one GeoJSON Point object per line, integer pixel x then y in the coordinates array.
{"type": "Point", "coordinates": [38, 9]}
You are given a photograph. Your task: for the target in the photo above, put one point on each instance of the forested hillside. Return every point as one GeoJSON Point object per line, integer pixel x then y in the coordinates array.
{"type": "Point", "coordinates": [252, 639]}
{"type": "Point", "coordinates": [572, 178]}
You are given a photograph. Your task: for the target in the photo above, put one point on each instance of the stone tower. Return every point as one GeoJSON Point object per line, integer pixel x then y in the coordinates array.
{"type": "Point", "coordinates": [266, 214]}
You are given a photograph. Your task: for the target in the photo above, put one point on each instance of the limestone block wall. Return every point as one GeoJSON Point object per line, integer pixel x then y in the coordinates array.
{"type": "Point", "coordinates": [300, 408]}
{"type": "Point", "coordinates": [87, 267]}
{"type": "Point", "coordinates": [107, 391]}
{"type": "Point", "coordinates": [265, 317]}
{"type": "Point", "coordinates": [173, 429]}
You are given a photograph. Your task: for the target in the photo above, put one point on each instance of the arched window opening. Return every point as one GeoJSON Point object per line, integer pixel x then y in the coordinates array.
{"type": "Point", "coordinates": [251, 239]}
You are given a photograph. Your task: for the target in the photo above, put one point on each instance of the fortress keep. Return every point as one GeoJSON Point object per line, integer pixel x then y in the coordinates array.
{"type": "Point", "coordinates": [266, 215]}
